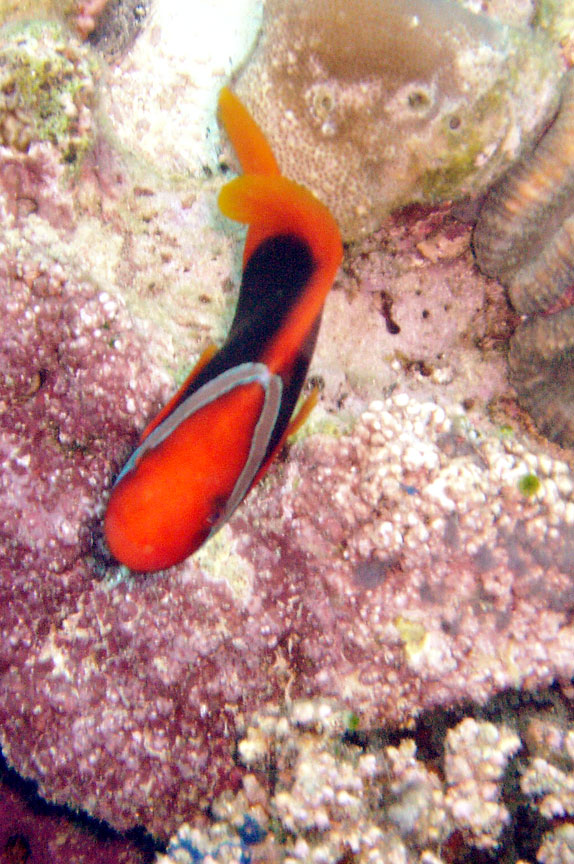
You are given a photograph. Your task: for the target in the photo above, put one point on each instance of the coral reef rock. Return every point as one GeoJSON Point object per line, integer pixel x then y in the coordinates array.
{"type": "Point", "coordinates": [376, 103]}
{"type": "Point", "coordinates": [401, 566]}
{"type": "Point", "coordinates": [393, 569]}
{"type": "Point", "coordinates": [162, 95]}
{"type": "Point", "coordinates": [330, 799]}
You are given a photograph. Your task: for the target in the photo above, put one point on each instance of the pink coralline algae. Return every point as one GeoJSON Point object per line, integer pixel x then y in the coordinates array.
{"type": "Point", "coordinates": [62, 372]}
{"type": "Point", "coordinates": [391, 570]}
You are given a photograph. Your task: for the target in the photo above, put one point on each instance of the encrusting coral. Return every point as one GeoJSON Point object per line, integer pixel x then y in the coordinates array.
{"type": "Point", "coordinates": [376, 103]}
{"type": "Point", "coordinates": [315, 793]}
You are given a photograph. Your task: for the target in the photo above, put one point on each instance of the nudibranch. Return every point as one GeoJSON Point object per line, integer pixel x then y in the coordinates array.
{"type": "Point", "coordinates": [198, 459]}
{"type": "Point", "coordinates": [525, 237]}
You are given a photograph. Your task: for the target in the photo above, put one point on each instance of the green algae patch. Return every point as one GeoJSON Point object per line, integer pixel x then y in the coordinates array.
{"type": "Point", "coordinates": [47, 89]}
{"type": "Point", "coordinates": [460, 165]}
{"type": "Point", "coordinates": [353, 722]}
{"type": "Point", "coordinates": [506, 432]}
{"type": "Point", "coordinates": [529, 485]}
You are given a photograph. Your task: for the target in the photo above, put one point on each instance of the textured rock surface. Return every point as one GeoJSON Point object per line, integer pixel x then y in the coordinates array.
{"type": "Point", "coordinates": [396, 569]}
{"type": "Point", "coordinates": [177, 67]}
{"type": "Point", "coordinates": [376, 104]}
{"type": "Point", "coordinates": [318, 793]}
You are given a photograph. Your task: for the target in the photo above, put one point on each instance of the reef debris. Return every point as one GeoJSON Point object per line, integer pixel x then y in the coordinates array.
{"type": "Point", "coordinates": [557, 846]}
{"type": "Point", "coordinates": [374, 105]}
{"type": "Point", "coordinates": [548, 778]}
{"type": "Point", "coordinates": [87, 13]}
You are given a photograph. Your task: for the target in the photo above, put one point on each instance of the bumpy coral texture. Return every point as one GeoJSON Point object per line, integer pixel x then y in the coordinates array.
{"type": "Point", "coordinates": [377, 103]}
{"type": "Point", "coordinates": [525, 238]}
{"type": "Point", "coordinates": [328, 798]}
{"type": "Point", "coordinates": [525, 234]}
{"type": "Point", "coordinates": [385, 573]}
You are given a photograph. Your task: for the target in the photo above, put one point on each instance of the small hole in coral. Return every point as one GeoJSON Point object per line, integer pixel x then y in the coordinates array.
{"type": "Point", "coordinates": [323, 103]}
{"type": "Point", "coordinates": [418, 99]}
{"type": "Point", "coordinates": [454, 122]}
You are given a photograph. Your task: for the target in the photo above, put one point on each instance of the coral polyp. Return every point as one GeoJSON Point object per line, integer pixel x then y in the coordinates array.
{"type": "Point", "coordinates": [374, 104]}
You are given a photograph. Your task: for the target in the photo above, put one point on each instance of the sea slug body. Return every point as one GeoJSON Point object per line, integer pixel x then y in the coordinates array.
{"type": "Point", "coordinates": [217, 436]}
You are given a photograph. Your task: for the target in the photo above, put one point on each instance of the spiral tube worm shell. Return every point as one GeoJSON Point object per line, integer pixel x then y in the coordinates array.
{"type": "Point", "coordinates": [525, 237]}
{"type": "Point", "coordinates": [541, 362]}
{"type": "Point", "coordinates": [525, 232]}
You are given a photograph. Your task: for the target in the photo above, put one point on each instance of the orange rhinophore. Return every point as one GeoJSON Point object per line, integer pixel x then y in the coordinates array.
{"type": "Point", "coordinates": [215, 438]}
